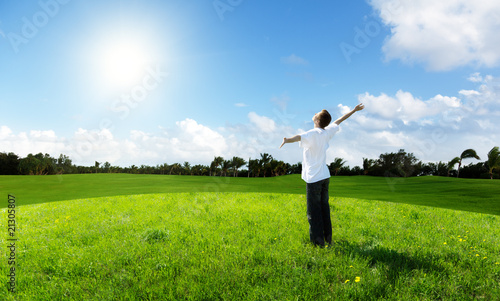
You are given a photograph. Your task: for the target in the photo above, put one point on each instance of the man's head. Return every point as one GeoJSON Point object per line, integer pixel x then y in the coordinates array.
{"type": "Point", "coordinates": [322, 119]}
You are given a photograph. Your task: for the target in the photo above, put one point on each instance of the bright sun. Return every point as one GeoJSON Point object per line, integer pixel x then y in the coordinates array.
{"type": "Point", "coordinates": [123, 62]}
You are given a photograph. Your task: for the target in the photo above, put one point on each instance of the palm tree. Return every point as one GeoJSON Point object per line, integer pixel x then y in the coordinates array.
{"type": "Point", "coordinates": [225, 166]}
{"type": "Point", "coordinates": [176, 167]}
{"type": "Point", "coordinates": [493, 160]}
{"type": "Point", "coordinates": [237, 163]}
{"type": "Point", "coordinates": [253, 167]}
{"type": "Point", "coordinates": [163, 168]}
{"type": "Point", "coordinates": [452, 164]}
{"type": "Point", "coordinates": [336, 165]}
{"type": "Point", "coordinates": [187, 167]}
{"type": "Point", "coordinates": [278, 167]}
{"type": "Point", "coordinates": [265, 158]}
{"type": "Point", "coordinates": [468, 153]}
{"type": "Point", "coordinates": [367, 165]}
{"type": "Point", "coordinates": [216, 163]}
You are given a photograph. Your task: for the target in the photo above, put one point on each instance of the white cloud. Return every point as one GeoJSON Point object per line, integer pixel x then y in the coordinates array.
{"type": "Point", "coordinates": [405, 107]}
{"type": "Point", "coordinates": [5, 132]}
{"type": "Point", "coordinates": [475, 77]}
{"type": "Point", "coordinates": [197, 138]}
{"type": "Point", "coordinates": [469, 92]}
{"type": "Point", "coordinates": [263, 123]}
{"type": "Point", "coordinates": [436, 129]}
{"type": "Point", "coordinates": [240, 105]}
{"type": "Point", "coordinates": [188, 141]}
{"type": "Point", "coordinates": [294, 60]}
{"type": "Point", "coordinates": [44, 135]}
{"type": "Point", "coordinates": [444, 34]}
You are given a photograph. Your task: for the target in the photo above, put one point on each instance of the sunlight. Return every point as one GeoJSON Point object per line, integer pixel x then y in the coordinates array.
{"type": "Point", "coordinates": [122, 62]}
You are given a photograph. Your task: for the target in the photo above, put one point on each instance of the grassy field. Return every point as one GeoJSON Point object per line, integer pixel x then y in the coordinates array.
{"type": "Point", "coordinates": [249, 246]}
{"type": "Point", "coordinates": [473, 195]}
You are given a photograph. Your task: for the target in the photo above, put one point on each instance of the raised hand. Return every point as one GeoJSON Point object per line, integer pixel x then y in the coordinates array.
{"type": "Point", "coordinates": [359, 107]}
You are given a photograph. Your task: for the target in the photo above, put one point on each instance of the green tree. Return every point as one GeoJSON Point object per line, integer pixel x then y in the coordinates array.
{"type": "Point", "coordinates": [468, 153]}
{"type": "Point", "coordinates": [38, 164]}
{"type": "Point", "coordinates": [253, 167]}
{"type": "Point", "coordinates": [187, 168]}
{"type": "Point", "coordinates": [9, 164]}
{"type": "Point", "coordinates": [493, 160]}
{"type": "Point", "coordinates": [133, 169]}
{"type": "Point", "coordinates": [106, 167]}
{"type": "Point", "coordinates": [264, 161]}
{"type": "Point", "coordinates": [175, 168]}
{"type": "Point", "coordinates": [64, 164]}
{"type": "Point", "coordinates": [216, 163]}
{"type": "Point", "coordinates": [336, 165]}
{"type": "Point", "coordinates": [226, 164]}
{"type": "Point", "coordinates": [452, 164]}
{"type": "Point", "coordinates": [279, 167]}
{"type": "Point", "coordinates": [400, 164]}
{"type": "Point", "coordinates": [237, 163]}
{"type": "Point", "coordinates": [368, 164]}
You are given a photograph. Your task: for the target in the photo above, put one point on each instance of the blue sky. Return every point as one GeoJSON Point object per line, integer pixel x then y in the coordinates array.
{"type": "Point", "coordinates": [151, 82]}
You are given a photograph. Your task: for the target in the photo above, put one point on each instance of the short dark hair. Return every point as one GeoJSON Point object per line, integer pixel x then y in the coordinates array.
{"type": "Point", "coordinates": [324, 119]}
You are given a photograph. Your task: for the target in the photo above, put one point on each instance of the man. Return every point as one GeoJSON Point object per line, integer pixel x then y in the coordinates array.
{"type": "Point", "coordinates": [316, 174]}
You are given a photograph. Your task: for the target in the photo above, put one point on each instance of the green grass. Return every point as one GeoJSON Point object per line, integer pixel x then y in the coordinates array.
{"type": "Point", "coordinates": [251, 246]}
{"type": "Point", "coordinates": [473, 195]}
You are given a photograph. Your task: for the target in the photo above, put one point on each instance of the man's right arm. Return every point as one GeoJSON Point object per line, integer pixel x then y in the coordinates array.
{"type": "Point", "coordinates": [295, 138]}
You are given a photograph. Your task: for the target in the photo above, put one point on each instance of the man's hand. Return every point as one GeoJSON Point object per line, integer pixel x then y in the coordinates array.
{"type": "Point", "coordinates": [359, 107]}
{"type": "Point", "coordinates": [295, 138]}
{"type": "Point", "coordinates": [284, 141]}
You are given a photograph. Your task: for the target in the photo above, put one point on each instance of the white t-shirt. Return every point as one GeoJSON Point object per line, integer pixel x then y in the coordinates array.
{"type": "Point", "coordinates": [315, 143]}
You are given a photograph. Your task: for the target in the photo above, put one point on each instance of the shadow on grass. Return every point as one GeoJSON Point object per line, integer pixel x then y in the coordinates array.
{"type": "Point", "coordinates": [390, 264]}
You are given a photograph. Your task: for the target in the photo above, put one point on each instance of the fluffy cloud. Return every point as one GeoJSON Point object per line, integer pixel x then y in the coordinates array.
{"type": "Point", "coordinates": [442, 34]}
{"type": "Point", "coordinates": [263, 123]}
{"type": "Point", "coordinates": [435, 129]}
{"type": "Point", "coordinates": [405, 107]}
{"type": "Point", "coordinates": [188, 141]}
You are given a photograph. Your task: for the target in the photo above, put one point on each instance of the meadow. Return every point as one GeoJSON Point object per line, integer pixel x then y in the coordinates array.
{"type": "Point", "coordinates": [213, 244]}
{"type": "Point", "coordinates": [475, 195]}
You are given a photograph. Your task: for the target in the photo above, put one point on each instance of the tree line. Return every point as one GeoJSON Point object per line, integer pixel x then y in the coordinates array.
{"type": "Point", "coordinates": [399, 164]}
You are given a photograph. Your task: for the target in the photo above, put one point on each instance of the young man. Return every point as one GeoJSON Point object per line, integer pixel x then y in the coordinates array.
{"type": "Point", "coordinates": [316, 174]}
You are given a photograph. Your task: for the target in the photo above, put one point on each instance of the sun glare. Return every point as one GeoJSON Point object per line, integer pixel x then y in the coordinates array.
{"type": "Point", "coordinates": [123, 62]}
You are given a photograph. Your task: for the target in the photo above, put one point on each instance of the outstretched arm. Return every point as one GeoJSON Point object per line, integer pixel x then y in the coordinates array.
{"type": "Point", "coordinates": [357, 108]}
{"type": "Point", "coordinates": [290, 140]}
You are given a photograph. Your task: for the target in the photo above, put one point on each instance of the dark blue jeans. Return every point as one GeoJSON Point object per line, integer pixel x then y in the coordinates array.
{"type": "Point", "coordinates": [318, 212]}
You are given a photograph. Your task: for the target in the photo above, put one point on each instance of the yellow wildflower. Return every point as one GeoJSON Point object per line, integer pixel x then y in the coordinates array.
{"type": "Point", "coordinates": [357, 279]}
